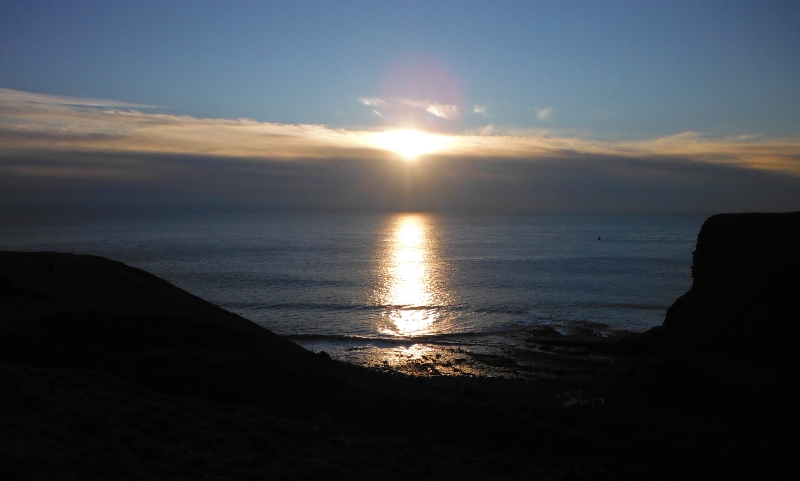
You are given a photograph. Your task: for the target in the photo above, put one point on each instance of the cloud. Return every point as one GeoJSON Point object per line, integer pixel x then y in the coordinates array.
{"type": "Point", "coordinates": [479, 109]}
{"type": "Point", "coordinates": [38, 122]}
{"type": "Point", "coordinates": [34, 123]}
{"type": "Point", "coordinates": [572, 183]}
{"type": "Point", "coordinates": [442, 111]}
{"type": "Point", "coordinates": [544, 113]}
{"type": "Point", "coordinates": [777, 155]}
{"type": "Point", "coordinates": [420, 104]}
{"type": "Point", "coordinates": [487, 129]}
{"type": "Point", "coordinates": [372, 101]}
{"type": "Point", "coordinates": [20, 101]}
{"type": "Point", "coordinates": [448, 112]}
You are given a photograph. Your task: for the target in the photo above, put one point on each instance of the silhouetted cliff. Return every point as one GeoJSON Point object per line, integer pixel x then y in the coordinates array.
{"type": "Point", "coordinates": [745, 296]}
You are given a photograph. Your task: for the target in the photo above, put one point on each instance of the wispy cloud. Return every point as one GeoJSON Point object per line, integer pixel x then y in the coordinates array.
{"type": "Point", "coordinates": [479, 109]}
{"type": "Point", "coordinates": [448, 112]}
{"type": "Point", "coordinates": [544, 113]}
{"type": "Point", "coordinates": [442, 111]}
{"type": "Point", "coordinates": [18, 100]}
{"type": "Point", "coordinates": [372, 101]}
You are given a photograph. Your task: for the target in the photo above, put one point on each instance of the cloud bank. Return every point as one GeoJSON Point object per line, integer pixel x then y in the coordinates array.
{"type": "Point", "coordinates": [55, 148]}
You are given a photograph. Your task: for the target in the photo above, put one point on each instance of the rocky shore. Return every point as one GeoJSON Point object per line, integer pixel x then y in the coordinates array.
{"type": "Point", "coordinates": [108, 372]}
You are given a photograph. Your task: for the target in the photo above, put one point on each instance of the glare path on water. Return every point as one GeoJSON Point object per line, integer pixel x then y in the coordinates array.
{"type": "Point", "coordinates": [410, 287]}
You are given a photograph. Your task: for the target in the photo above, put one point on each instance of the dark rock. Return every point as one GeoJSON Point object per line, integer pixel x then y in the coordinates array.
{"type": "Point", "coordinates": [746, 288]}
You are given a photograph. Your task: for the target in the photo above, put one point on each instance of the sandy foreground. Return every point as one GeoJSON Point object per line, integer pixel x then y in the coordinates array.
{"type": "Point", "coordinates": [108, 372]}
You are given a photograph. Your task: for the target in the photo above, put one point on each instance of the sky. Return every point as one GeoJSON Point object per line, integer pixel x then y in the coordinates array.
{"type": "Point", "coordinates": [506, 107]}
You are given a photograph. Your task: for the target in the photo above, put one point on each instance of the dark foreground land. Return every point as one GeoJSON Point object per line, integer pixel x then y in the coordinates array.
{"type": "Point", "coordinates": [108, 372]}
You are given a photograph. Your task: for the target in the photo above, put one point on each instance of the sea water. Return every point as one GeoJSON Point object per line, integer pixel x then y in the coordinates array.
{"type": "Point", "coordinates": [347, 282]}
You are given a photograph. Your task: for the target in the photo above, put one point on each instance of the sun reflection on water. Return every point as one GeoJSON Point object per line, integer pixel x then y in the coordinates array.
{"type": "Point", "coordinates": [409, 290]}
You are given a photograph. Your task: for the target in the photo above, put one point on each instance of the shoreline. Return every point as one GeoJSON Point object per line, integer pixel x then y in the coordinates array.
{"type": "Point", "coordinates": [529, 353]}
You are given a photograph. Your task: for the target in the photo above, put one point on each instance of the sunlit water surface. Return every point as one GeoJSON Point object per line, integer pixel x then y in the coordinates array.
{"type": "Point", "coordinates": [375, 288]}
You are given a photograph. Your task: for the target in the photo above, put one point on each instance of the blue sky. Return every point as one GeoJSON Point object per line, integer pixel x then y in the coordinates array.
{"type": "Point", "coordinates": [635, 69]}
{"type": "Point", "coordinates": [711, 85]}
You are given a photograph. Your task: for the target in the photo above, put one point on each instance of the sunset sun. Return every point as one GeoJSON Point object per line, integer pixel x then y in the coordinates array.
{"type": "Point", "coordinates": [410, 143]}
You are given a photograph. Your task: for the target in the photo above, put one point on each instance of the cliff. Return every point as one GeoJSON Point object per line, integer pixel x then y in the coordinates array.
{"type": "Point", "coordinates": [745, 295]}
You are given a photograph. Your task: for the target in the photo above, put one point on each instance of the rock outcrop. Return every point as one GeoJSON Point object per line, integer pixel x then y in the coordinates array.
{"type": "Point", "coordinates": [745, 295]}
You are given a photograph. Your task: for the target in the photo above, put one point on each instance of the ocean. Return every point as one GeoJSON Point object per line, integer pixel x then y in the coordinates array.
{"type": "Point", "coordinates": [371, 288]}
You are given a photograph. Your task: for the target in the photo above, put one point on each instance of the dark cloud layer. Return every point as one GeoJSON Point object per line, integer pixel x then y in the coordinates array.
{"type": "Point", "coordinates": [60, 181]}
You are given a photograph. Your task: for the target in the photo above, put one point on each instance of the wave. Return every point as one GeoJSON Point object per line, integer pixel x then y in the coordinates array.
{"type": "Point", "coordinates": [489, 335]}
{"type": "Point", "coordinates": [317, 306]}
{"type": "Point", "coordinates": [452, 338]}
{"type": "Point", "coordinates": [520, 310]}
{"type": "Point", "coordinates": [302, 306]}
{"type": "Point", "coordinates": [619, 305]}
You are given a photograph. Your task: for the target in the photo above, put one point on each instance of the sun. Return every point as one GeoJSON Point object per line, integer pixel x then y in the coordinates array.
{"type": "Point", "coordinates": [410, 143]}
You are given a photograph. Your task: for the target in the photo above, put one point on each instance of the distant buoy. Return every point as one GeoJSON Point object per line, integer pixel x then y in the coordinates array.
{"type": "Point", "coordinates": [598, 238]}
